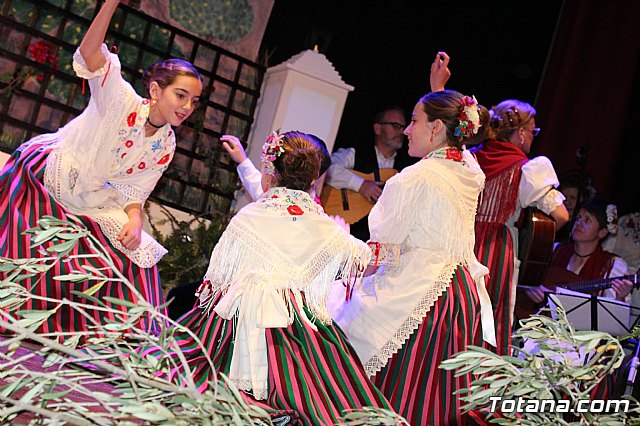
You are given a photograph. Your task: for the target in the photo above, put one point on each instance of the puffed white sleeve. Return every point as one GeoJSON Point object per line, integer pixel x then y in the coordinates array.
{"type": "Point", "coordinates": [251, 179]}
{"type": "Point", "coordinates": [394, 213]}
{"type": "Point", "coordinates": [106, 84]}
{"type": "Point", "coordinates": [537, 185]}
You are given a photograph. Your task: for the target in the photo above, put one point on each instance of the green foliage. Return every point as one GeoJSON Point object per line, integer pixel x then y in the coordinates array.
{"type": "Point", "coordinates": [225, 20]}
{"type": "Point", "coordinates": [189, 247]}
{"type": "Point", "coordinates": [143, 392]}
{"type": "Point", "coordinates": [557, 363]}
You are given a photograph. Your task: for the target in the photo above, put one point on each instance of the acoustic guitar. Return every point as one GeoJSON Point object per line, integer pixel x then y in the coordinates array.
{"type": "Point", "coordinates": [348, 204]}
{"type": "Point", "coordinates": [561, 277]}
{"type": "Point", "coordinates": [536, 232]}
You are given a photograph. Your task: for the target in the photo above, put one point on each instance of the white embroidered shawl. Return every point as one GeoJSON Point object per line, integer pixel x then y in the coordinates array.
{"type": "Point", "coordinates": [428, 209]}
{"type": "Point", "coordinates": [281, 246]}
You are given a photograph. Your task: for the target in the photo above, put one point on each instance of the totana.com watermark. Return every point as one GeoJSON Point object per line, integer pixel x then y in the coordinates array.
{"type": "Point", "coordinates": [521, 405]}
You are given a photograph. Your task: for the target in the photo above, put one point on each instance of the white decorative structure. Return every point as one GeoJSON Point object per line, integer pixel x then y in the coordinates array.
{"type": "Point", "coordinates": [304, 93]}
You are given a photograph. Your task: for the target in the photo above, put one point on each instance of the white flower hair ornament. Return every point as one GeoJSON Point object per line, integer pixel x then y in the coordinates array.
{"type": "Point", "coordinates": [271, 149]}
{"type": "Point", "coordinates": [612, 219]}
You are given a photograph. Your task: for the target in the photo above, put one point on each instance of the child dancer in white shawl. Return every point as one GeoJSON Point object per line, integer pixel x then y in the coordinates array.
{"type": "Point", "coordinates": [262, 307]}
{"type": "Point", "coordinates": [406, 319]}
{"type": "Point", "coordinates": [101, 166]}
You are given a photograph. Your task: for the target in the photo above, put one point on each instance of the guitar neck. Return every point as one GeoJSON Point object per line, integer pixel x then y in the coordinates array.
{"type": "Point", "coordinates": [602, 284]}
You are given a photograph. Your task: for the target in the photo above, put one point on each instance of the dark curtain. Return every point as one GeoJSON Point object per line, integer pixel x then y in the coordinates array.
{"type": "Point", "coordinates": [586, 99]}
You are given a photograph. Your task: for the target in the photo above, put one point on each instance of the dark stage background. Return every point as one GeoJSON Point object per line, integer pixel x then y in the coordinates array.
{"type": "Point", "coordinates": [577, 61]}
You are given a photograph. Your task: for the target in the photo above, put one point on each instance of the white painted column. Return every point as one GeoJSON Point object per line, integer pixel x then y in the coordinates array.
{"type": "Point", "coordinates": [304, 93]}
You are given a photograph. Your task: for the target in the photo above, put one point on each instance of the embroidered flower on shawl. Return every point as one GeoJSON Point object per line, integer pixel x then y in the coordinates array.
{"type": "Point", "coordinates": [156, 146]}
{"type": "Point", "coordinates": [142, 165]}
{"type": "Point", "coordinates": [448, 153]}
{"type": "Point", "coordinates": [271, 149]}
{"type": "Point", "coordinates": [128, 143]}
{"type": "Point", "coordinates": [131, 119]}
{"type": "Point", "coordinates": [289, 202]}
{"type": "Point", "coordinates": [469, 119]}
{"type": "Point", "coordinates": [164, 159]}
{"type": "Point", "coordinates": [295, 210]}
{"type": "Point", "coordinates": [454, 154]}
{"type": "Point", "coordinates": [129, 171]}
{"type": "Point", "coordinates": [612, 219]}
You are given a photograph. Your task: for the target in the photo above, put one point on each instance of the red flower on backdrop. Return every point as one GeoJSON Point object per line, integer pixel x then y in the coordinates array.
{"type": "Point", "coordinates": [164, 159]}
{"type": "Point", "coordinates": [295, 210]}
{"type": "Point", "coordinates": [131, 119]}
{"type": "Point", "coordinates": [454, 154]}
{"type": "Point", "coordinates": [42, 53]}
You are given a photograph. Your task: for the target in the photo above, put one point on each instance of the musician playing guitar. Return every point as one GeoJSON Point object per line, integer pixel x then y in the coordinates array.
{"type": "Point", "coordinates": [584, 256]}
{"type": "Point", "coordinates": [389, 151]}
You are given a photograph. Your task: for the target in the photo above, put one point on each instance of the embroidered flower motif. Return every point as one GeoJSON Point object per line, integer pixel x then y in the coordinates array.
{"type": "Point", "coordinates": [295, 210]}
{"type": "Point", "coordinates": [123, 154]}
{"type": "Point", "coordinates": [142, 165]}
{"type": "Point", "coordinates": [145, 101]}
{"type": "Point", "coordinates": [454, 154]}
{"type": "Point", "coordinates": [131, 119]}
{"type": "Point", "coordinates": [164, 159]}
{"type": "Point", "coordinates": [128, 143]}
{"type": "Point", "coordinates": [129, 171]}
{"type": "Point", "coordinates": [156, 146]}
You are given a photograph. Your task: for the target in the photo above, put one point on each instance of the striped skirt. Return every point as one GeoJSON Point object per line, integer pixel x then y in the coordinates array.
{"type": "Point", "coordinates": [412, 381]}
{"type": "Point", "coordinates": [23, 200]}
{"type": "Point", "coordinates": [494, 249]}
{"type": "Point", "coordinates": [313, 376]}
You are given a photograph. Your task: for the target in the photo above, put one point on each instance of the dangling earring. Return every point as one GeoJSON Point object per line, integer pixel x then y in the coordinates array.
{"type": "Point", "coordinates": [154, 101]}
{"type": "Point", "coordinates": [431, 137]}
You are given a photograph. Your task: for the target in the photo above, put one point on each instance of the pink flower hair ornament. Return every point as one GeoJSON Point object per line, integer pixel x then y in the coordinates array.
{"type": "Point", "coordinates": [271, 149]}
{"type": "Point", "coordinates": [469, 119]}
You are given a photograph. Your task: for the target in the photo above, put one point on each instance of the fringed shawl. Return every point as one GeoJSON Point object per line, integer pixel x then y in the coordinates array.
{"type": "Point", "coordinates": [280, 247]}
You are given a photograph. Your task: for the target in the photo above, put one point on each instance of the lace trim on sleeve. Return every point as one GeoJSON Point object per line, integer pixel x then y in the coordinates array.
{"type": "Point", "coordinates": [130, 195]}
{"type": "Point", "coordinates": [145, 256]}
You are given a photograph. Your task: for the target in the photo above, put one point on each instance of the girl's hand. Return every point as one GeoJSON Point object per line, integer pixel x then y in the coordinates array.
{"type": "Point", "coordinates": [131, 234]}
{"type": "Point", "coordinates": [234, 147]}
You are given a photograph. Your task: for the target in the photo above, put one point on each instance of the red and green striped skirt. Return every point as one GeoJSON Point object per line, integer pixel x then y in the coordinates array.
{"type": "Point", "coordinates": [420, 391]}
{"type": "Point", "coordinates": [313, 375]}
{"type": "Point", "coordinates": [494, 249]}
{"type": "Point", "coordinates": [23, 200]}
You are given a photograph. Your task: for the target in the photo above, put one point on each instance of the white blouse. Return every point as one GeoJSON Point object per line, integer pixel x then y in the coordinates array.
{"type": "Point", "coordinates": [102, 161]}
{"type": "Point", "coordinates": [429, 210]}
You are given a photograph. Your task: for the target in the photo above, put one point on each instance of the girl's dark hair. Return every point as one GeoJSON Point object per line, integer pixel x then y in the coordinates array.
{"type": "Point", "coordinates": [445, 105]}
{"type": "Point", "coordinates": [299, 165]}
{"type": "Point", "coordinates": [598, 208]}
{"type": "Point", "coordinates": [165, 73]}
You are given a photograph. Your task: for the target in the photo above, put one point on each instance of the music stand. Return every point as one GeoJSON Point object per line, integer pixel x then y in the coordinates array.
{"type": "Point", "coordinates": [590, 312]}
